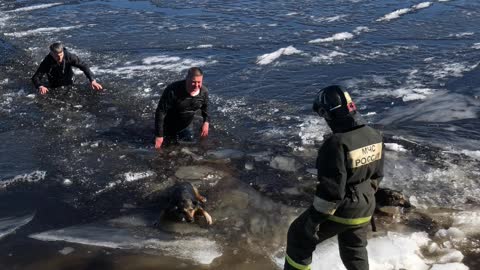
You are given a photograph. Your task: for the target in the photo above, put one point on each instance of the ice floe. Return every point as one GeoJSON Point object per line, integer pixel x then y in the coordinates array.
{"type": "Point", "coordinates": [284, 163]}
{"type": "Point", "coordinates": [32, 177]}
{"type": "Point", "coordinates": [225, 153]}
{"type": "Point", "coordinates": [198, 249]}
{"type": "Point", "coordinates": [395, 147]}
{"type": "Point", "coordinates": [35, 7]}
{"type": "Point", "coordinates": [335, 37]}
{"type": "Point", "coordinates": [397, 13]}
{"type": "Point", "coordinates": [10, 224]}
{"type": "Point", "coordinates": [268, 58]}
{"type": "Point", "coordinates": [390, 252]}
{"type": "Point", "coordinates": [198, 173]}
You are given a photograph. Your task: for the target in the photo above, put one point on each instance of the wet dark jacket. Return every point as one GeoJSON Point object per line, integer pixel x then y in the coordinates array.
{"type": "Point", "coordinates": [176, 109]}
{"type": "Point", "coordinates": [350, 167]}
{"type": "Point", "coordinates": [60, 74]}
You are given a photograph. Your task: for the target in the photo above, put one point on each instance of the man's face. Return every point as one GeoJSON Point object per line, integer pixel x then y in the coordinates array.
{"type": "Point", "coordinates": [194, 84]}
{"type": "Point", "coordinates": [57, 56]}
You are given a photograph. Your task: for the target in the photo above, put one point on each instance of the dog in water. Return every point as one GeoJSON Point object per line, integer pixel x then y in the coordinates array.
{"type": "Point", "coordinates": [183, 202]}
{"type": "Point", "coordinates": [390, 197]}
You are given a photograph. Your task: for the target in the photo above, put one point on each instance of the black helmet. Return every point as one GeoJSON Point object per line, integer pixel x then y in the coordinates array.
{"type": "Point", "coordinates": [333, 102]}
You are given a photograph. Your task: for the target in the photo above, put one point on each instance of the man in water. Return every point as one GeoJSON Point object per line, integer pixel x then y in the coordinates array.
{"type": "Point", "coordinates": [58, 67]}
{"type": "Point", "coordinates": [177, 107]}
{"type": "Point", "coordinates": [350, 167]}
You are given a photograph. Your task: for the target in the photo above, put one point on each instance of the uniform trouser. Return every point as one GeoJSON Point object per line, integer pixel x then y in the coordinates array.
{"type": "Point", "coordinates": [185, 135]}
{"type": "Point", "coordinates": [352, 242]}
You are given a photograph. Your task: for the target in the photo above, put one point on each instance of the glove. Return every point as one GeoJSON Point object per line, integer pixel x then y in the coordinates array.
{"type": "Point", "coordinates": [313, 221]}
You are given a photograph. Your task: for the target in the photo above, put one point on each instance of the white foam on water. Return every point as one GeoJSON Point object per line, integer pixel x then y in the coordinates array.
{"type": "Point", "coordinates": [329, 19]}
{"type": "Point", "coordinates": [4, 81]}
{"type": "Point", "coordinates": [476, 46]}
{"type": "Point", "coordinates": [9, 225]}
{"type": "Point", "coordinates": [268, 58]}
{"type": "Point", "coordinates": [391, 252]}
{"type": "Point", "coordinates": [199, 249]}
{"type": "Point", "coordinates": [32, 177]}
{"type": "Point", "coordinates": [35, 7]}
{"type": "Point", "coordinates": [459, 35]}
{"type": "Point", "coordinates": [4, 18]}
{"type": "Point", "coordinates": [134, 176]}
{"type": "Point", "coordinates": [38, 31]}
{"type": "Point", "coordinates": [397, 13]}
{"type": "Point", "coordinates": [150, 64]}
{"type": "Point", "coordinates": [361, 29]}
{"type": "Point", "coordinates": [328, 58]}
{"type": "Point", "coordinates": [395, 147]}
{"type": "Point", "coordinates": [202, 46]}
{"type": "Point", "coordinates": [445, 69]}
{"type": "Point", "coordinates": [335, 37]}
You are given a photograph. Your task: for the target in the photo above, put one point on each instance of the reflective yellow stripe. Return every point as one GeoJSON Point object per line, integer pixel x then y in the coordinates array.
{"type": "Point", "coordinates": [296, 265]}
{"type": "Point", "coordinates": [349, 221]}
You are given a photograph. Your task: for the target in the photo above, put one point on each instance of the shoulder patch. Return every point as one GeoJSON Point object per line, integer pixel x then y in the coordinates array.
{"type": "Point", "coordinates": [365, 155]}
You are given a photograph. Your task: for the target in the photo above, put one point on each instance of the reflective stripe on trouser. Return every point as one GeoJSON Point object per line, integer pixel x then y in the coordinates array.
{"type": "Point", "coordinates": [352, 241]}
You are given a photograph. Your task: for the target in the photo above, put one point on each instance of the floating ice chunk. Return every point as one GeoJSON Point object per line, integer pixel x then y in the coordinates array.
{"type": "Point", "coordinates": [452, 234]}
{"type": "Point", "coordinates": [261, 156]}
{"type": "Point", "coordinates": [203, 46]}
{"type": "Point", "coordinates": [198, 172]}
{"type": "Point", "coordinates": [67, 182]}
{"type": "Point", "coordinates": [284, 163]}
{"type": "Point", "coordinates": [393, 251]}
{"type": "Point", "coordinates": [470, 153]}
{"type": "Point", "coordinates": [249, 166]}
{"type": "Point", "coordinates": [336, 37]}
{"type": "Point", "coordinates": [10, 224]}
{"type": "Point", "coordinates": [449, 266]}
{"type": "Point", "coordinates": [467, 221]}
{"type": "Point", "coordinates": [35, 7]}
{"type": "Point", "coordinates": [32, 177]}
{"type": "Point", "coordinates": [66, 250]}
{"type": "Point", "coordinates": [39, 31]}
{"type": "Point", "coordinates": [199, 249]}
{"type": "Point", "coordinates": [451, 257]}
{"type": "Point", "coordinates": [131, 176]}
{"type": "Point", "coordinates": [397, 13]}
{"type": "Point", "coordinates": [225, 153]}
{"type": "Point", "coordinates": [327, 58]}
{"type": "Point", "coordinates": [268, 58]}
{"type": "Point", "coordinates": [395, 147]}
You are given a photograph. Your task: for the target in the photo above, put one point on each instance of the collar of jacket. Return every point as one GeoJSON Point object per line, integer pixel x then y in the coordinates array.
{"type": "Point", "coordinates": [346, 124]}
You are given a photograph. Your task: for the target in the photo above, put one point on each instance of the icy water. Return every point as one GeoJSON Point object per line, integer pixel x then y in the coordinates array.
{"type": "Point", "coordinates": [78, 171]}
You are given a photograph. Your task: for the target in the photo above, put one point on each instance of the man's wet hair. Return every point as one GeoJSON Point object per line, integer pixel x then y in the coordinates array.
{"type": "Point", "coordinates": [194, 71]}
{"type": "Point", "coordinates": [56, 47]}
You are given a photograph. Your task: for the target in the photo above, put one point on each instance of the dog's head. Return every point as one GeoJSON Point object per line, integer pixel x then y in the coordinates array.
{"type": "Point", "coordinates": [184, 209]}
{"type": "Point", "coordinates": [390, 197]}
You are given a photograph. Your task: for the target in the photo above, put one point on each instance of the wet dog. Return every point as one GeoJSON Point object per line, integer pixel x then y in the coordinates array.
{"type": "Point", "coordinates": [390, 197]}
{"type": "Point", "coordinates": [184, 202]}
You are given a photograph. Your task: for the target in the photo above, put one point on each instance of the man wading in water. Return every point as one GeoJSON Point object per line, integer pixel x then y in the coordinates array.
{"type": "Point", "coordinates": [177, 107]}
{"type": "Point", "coordinates": [58, 67]}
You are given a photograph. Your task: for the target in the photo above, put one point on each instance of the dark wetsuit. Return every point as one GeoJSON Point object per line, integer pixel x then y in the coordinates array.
{"type": "Point", "coordinates": [350, 167]}
{"type": "Point", "coordinates": [176, 109]}
{"type": "Point", "coordinates": [60, 74]}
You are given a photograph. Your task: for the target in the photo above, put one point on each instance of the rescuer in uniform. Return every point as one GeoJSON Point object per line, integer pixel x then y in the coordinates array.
{"type": "Point", "coordinates": [350, 167]}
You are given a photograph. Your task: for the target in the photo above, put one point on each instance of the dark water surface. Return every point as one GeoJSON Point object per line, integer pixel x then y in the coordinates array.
{"type": "Point", "coordinates": [78, 157]}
